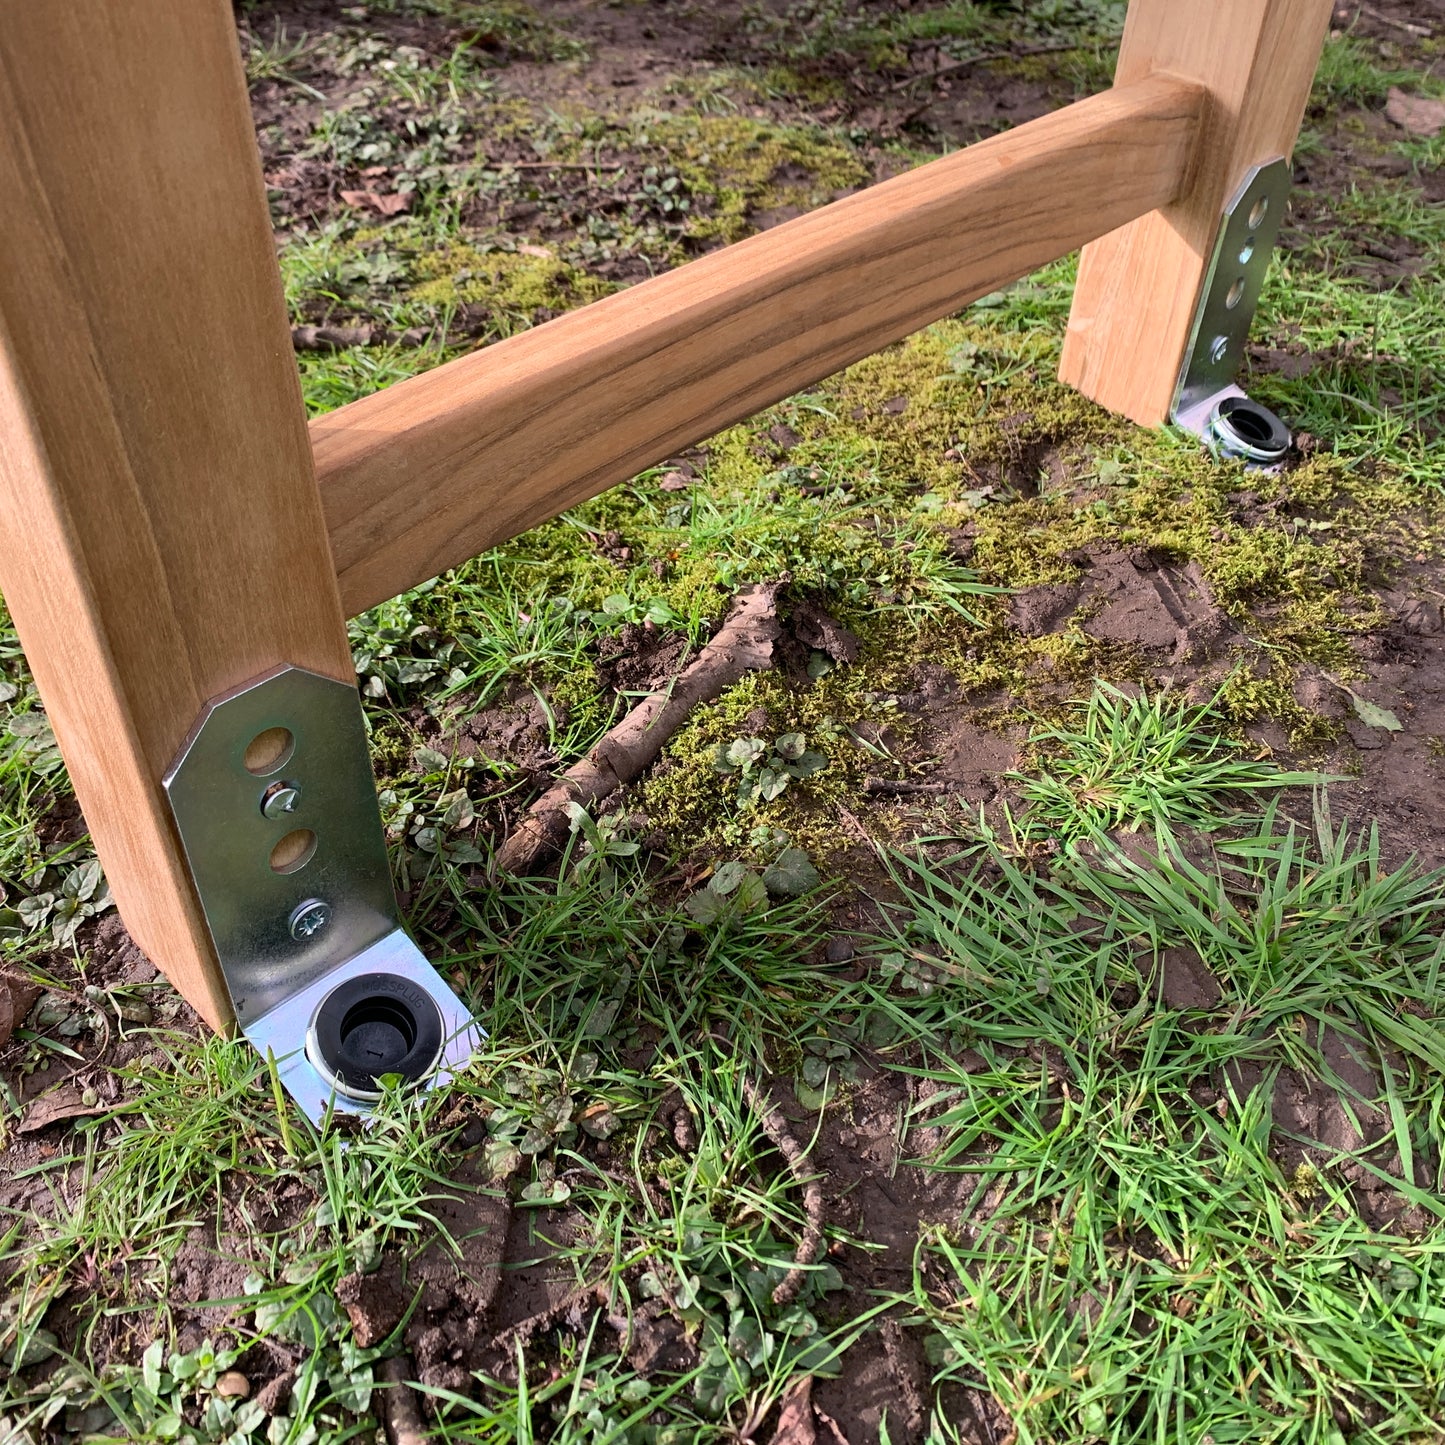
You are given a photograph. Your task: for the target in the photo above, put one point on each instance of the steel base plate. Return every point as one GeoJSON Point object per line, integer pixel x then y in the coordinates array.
{"type": "Point", "coordinates": [283, 1029]}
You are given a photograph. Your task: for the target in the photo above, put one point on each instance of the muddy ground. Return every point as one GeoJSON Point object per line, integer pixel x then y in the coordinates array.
{"type": "Point", "coordinates": [953, 741]}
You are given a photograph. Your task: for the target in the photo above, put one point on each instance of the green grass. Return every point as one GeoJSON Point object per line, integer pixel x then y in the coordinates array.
{"type": "Point", "coordinates": [1352, 72]}
{"type": "Point", "coordinates": [1373, 391]}
{"type": "Point", "coordinates": [1139, 1245]}
{"type": "Point", "coordinates": [1131, 761]}
{"type": "Point", "coordinates": [1134, 1262]}
{"type": "Point", "coordinates": [196, 1147]}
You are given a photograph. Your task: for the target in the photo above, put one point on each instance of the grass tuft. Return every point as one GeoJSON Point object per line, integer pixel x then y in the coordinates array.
{"type": "Point", "coordinates": [1132, 761]}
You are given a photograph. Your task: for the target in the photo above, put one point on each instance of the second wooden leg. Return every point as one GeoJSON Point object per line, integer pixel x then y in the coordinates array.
{"type": "Point", "coordinates": [1139, 286]}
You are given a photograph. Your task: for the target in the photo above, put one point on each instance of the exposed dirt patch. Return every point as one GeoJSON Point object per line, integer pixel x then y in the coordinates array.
{"type": "Point", "coordinates": [1132, 599]}
{"type": "Point", "coordinates": [556, 187]}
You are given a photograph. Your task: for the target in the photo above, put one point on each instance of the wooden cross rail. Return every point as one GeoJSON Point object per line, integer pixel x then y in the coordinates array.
{"type": "Point", "coordinates": [169, 531]}
{"type": "Point", "coordinates": [427, 473]}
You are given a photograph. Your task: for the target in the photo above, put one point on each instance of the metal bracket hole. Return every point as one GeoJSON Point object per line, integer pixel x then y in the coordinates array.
{"type": "Point", "coordinates": [293, 852]}
{"type": "Point", "coordinates": [373, 1025]}
{"type": "Point", "coordinates": [268, 752]}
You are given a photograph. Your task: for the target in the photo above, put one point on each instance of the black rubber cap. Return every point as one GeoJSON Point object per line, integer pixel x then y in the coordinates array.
{"type": "Point", "coordinates": [1246, 429]}
{"type": "Point", "coordinates": [375, 1024]}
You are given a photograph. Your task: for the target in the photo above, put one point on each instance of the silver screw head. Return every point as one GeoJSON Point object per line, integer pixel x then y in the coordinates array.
{"type": "Point", "coordinates": [309, 918]}
{"type": "Point", "coordinates": [280, 799]}
{"type": "Point", "coordinates": [1218, 348]}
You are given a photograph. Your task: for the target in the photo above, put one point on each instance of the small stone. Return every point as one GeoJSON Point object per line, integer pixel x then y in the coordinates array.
{"type": "Point", "coordinates": [1367, 739]}
{"type": "Point", "coordinates": [840, 949]}
{"type": "Point", "coordinates": [273, 1398]}
{"type": "Point", "coordinates": [1417, 114]}
{"type": "Point", "coordinates": [233, 1385]}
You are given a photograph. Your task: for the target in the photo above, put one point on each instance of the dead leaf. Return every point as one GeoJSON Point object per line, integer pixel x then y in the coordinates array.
{"type": "Point", "coordinates": [795, 1418]}
{"type": "Point", "coordinates": [1418, 114]}
{"type": "Point", "coordinates": [675, 482]}
{"type": "Point", "coordinates": [1373, 715]}
{"type": "Point", "coordinates": [387, 205]}
{"type": "Point", "coordinates": [56, 1106]}
{"type": "Point", "coordinates": [832, 1430]}
{"type": "Point", "coordinates": [527, 249]}
{"type": "Point", "coordinates": [17, 998]}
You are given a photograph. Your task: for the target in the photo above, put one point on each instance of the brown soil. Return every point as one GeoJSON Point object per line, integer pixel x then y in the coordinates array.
{"type": "Point", "coordinates": [506, 1278]}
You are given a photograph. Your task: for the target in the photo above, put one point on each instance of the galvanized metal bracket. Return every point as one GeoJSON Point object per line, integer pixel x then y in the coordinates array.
{"type": "Point", "coordinates": [1207, 400]}
{"type": "Point", "coordinates": [275, 803]}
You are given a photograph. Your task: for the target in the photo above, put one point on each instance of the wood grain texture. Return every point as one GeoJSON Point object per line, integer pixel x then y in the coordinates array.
{"type": "Point", "coordinates": [1138, 286]}
{"type": "Point", "coordinates": [162, 536]}
{"type": "Point", "coordinates": [436, 469]}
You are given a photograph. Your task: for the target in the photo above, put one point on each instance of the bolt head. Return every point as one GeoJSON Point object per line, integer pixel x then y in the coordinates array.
{"type": "Point", "coordinates": [280, 799]}
{"type": "Point", "coordinates": [309, 918]}
{"type": "Point", "coordinates": [1219, 348]}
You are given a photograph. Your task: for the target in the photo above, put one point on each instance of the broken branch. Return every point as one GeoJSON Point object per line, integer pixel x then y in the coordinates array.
{"type": "Point", "coordinates": [775, 1126]}
{"type": "Point", "coordinates": [744, 643]}
{"type": "Point", "coordinates": [400, 1406]}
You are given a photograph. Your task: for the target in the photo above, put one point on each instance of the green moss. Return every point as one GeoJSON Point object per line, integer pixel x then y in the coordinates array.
{"type": "Point", "coordinates": [689, 798]}
{"type": "Point", "coordinates": [1285, 557]}
{"type": "Point", "coordinates": [1087, 69]}
{"type": "Point", "coordinates": [1265, 693]}
{"type": "Point", "coordinates": [580, 702]}
{"type": "Point", "coordinates": [734, 166]}
{"type": "Point", "coordinates": [812, 88]}
{"type": "Point", "coordinates": [513, 285]}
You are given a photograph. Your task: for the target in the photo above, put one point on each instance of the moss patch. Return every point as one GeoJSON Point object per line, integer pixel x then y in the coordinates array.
{"type": "Point", "coordinates": [733, 167]}
{"type": "Point", "coordinates": [514, 285]}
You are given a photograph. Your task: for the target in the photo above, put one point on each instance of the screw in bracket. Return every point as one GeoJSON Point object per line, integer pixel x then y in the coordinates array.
{"type": "Point", "coordinates": [280, 799]}
{"type": "Point", "coordinates": [309, 918]}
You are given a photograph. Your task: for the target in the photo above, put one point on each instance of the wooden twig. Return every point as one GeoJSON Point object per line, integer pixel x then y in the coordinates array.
{"type": "Point", "coordinates": [336, 338]}
{"type": "Point", "coordinates": [562, 165]}
{"type": "Point", "coordinates": [775, 1126]}
{"type": "Point", "coordinates": [1405, 25]}
{"type": "Point", "coordinates": [400, 1406]}
{"type": "Point", "coordinates": [743, 644]}
{"type": "Point", "coordinates": [983, 59]}
{"type": "Point", "coordinates": [886, 787]}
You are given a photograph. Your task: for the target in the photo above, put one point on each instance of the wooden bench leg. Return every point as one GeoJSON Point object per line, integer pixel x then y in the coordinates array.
{"type": "Point", "coordinates": [163, 537]}
{"type": "Point", "coordinates": [1139, 286]}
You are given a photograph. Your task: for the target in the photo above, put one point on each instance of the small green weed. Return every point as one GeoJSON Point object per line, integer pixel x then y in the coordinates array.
{"type": "Point", "coordinates": [764, 771]}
